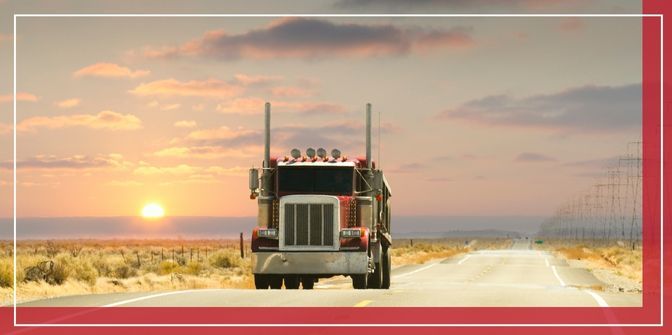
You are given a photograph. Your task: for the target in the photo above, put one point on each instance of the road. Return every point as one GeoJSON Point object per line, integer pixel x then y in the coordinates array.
{"type": "Point", "coordinates": [518, 276]}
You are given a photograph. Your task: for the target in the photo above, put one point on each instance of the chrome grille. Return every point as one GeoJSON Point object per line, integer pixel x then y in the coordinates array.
{"type": "Point", "coordinates": [309, 224]}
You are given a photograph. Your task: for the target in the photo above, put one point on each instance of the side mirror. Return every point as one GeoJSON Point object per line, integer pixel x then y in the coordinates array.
{"type": "Point", "coordinates": [254, 182]}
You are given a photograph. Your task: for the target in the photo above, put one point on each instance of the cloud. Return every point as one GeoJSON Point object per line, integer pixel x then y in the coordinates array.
{"type": "Point", "coordinates": [586, 108]}
{"type": "Point", "coordinates": [533, 157]}
{"type": "Point", "coordinates": [104, 120]}
{"type": "Point", "coordinates": [20, 96]}
{"type": "Point", "coordinates": [145, 168]}
{"type": "Point", "coordinates": [185, 124]}
{"type": "Point", "coordinates": [291, 92]}
{"type": "Point", "coordinates": [316, 39]}
{"type": "Point", "coordinates": [67, 103]}
{"type": "Point", "coordinates": [74, 162]}
{"type": "Point", "coordinates": [241, 142]}
{"type": "Point", "coordinates": [251, 80]}
{"type": "Point", "coordinates": [109, 70]}
{"type": "Point", "coordinates": [170, 107]}
{"type": "Point", "coordinates": [209, 152]}
{"type": "Point", "coordinates": [210, 88]}
{"type": "Point", "coordinates": [187, 173]}
{"type": "Point", "coordinates": [594, 164]}
{"type": "Point", "coordinates": [255, 106]}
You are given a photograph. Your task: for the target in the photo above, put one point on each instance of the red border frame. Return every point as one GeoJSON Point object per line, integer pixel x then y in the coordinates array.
{"type": "Point", "coordinates": [649, 313]}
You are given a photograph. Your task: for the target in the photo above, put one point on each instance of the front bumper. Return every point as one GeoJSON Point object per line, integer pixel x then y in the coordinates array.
{"type": "Point", "coordinates": [304, 262]}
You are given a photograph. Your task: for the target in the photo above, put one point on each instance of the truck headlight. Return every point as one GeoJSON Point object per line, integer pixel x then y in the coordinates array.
{"type": "Point", "coordinates": [352, 233]}
{"type": "Point", "coordinates": [267, 233]}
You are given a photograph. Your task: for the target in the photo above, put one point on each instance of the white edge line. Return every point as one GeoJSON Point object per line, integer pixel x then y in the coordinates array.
{"type": "Point", "coordinates": [555, 272]}
{"type": "Point", "coordinates": [597, 298]}
{"type": "Point", "coordinates": [463, 259]}
{"type": "Point", "coordinates": [642, 15]}
{"type": "Point", "coordinates": [546, 261]}
{"type": "Point", "coordinates": [158, 295]}
{"type": "Point", "coordinates": [415, 271]}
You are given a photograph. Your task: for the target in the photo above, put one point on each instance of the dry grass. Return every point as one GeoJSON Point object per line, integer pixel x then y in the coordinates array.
{"type": "Point", "coordinates": [96, 266]}
{"type": "Point", "coordinates": [622, 260]}
{"type": "Point", "coordinates": [425, 250]}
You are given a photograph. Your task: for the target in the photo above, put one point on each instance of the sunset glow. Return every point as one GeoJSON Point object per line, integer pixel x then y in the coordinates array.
{"type": "Point", "coordinates": [152, 211]}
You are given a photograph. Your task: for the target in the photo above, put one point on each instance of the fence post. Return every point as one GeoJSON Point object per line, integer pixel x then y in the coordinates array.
{"type": "Point", "coordinates": [242, 251]}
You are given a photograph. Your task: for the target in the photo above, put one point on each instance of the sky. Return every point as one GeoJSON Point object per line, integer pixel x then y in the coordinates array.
{"type": "Point", "coordinates": [478, 116]}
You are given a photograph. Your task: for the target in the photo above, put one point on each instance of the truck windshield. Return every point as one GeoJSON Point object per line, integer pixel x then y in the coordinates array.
{"type": "Point", "coordinates": [316, 180]}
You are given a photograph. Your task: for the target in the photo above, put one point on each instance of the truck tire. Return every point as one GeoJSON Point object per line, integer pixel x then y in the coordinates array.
{"type": "Point", "coordinates": [387, 268]}
{"type": "Point", "coordinates": [375, 278]}
{"type": "Point", "coordinates": [275, 281]}
{"type": "Point", "coordinates": [359, 281]}
{"type": "Point", "coordinates": [260, 281]}
{"type": "Point", "coordinates": [307, 283]}
{"type": "Point", "coordinates": [291, 282]}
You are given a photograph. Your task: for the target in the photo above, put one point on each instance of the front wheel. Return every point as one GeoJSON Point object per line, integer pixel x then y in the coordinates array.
{"type": "Point", "coordinates": [261, 281]}
{"type": "Point", "coordinates": [291, 282]}
{"type": "Point", "coordinates": [387, 268]}
{"type": "Point", "coordinates": [275, 281]}
{"type": "Point", "coordinates": [359, 281]}
{"type": "Point", "coordinates": [307, 283]}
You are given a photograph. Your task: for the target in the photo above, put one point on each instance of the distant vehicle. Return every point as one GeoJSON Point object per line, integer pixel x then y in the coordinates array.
{"type": "Point", "coordinates": [320, 216]}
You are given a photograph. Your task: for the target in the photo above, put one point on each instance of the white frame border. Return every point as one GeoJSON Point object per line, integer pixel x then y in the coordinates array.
{"type": "Point", "coordinates": [662, 138]}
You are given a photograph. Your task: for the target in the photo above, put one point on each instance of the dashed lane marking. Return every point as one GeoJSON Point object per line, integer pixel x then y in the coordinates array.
{"type": "Point", "coordinates": [363, 303]}
{"type": "Point", "coordinates": [463, 259]}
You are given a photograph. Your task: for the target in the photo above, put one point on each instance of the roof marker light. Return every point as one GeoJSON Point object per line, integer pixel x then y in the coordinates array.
{"type": "Point", "coordinates": [336, 153]}
{"type": "Point", "coordinates": [322, 153]}
{"type": "Point", "coordinates": [296, 153]}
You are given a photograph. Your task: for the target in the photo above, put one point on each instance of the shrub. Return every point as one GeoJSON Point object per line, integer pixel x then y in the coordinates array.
{"type": "Point", "coordinates": [225, 260]}
{"type": "Point", "coordinates": [193, 268]}
{"type": "Point", "coordinates": [124, 271]}
{"type": "Point", "coordinates": [6, 273]}
{"type": "Point", "coordinates": [167, 267]}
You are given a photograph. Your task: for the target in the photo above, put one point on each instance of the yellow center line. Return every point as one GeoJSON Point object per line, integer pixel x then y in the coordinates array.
{"type": "Point", "coordinates": [363, 303]}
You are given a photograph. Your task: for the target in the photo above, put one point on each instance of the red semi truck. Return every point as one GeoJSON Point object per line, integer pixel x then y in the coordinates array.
{"type": "Point", "coordinates": [320, 216]}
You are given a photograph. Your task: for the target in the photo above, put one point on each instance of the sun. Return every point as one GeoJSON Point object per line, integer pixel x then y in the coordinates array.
{"type": "Point", "coordinates": [152, 211]}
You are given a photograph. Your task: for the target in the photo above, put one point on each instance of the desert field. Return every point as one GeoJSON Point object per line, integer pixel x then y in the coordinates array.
{"type": "Point", "coordinates": [616, 264]}
{"type": "Point", "coordinates": [56, 268]}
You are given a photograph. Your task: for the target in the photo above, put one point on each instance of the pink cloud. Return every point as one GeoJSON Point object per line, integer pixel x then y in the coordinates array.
{"type": "Point", "coordinates": [185, 124]}
{"type": "Point", "coordinates": [246, 79]}
{"type": "Point", "coordinates": [20, 96]}
{"type": "Point", "coordinates": [109, 70]}
{"type": "Point", "coordinates": [104, 120]}
{"type": "Point", "coordinates": [255, 106]}
{"type": "Point", "coordinates": [67, 103]}
{"type": "Point", "coordinates": [210, 88]}
{"type": "Point", "coordinates": [290, 91]}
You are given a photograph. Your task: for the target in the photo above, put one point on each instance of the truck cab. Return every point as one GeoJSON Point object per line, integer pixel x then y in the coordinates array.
{"type": "Point", "coordinates": [320, 216]}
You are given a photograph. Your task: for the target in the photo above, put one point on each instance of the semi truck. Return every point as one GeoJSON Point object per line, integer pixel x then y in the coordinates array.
{"type": "Point", "coordinates": [320, 215]}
